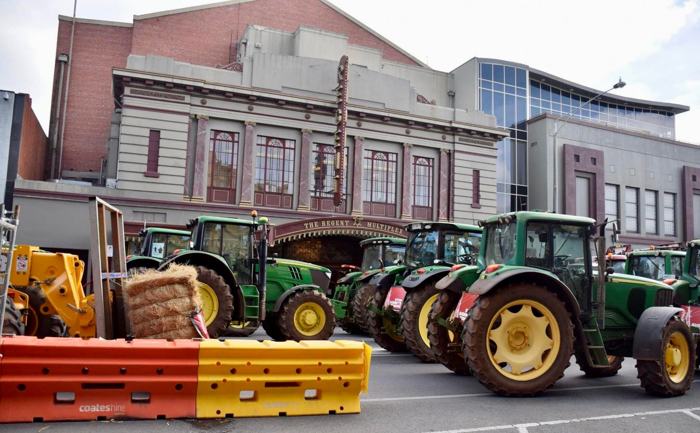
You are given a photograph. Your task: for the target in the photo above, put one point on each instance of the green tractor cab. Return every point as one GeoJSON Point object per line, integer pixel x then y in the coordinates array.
{"type": "Point", "coordinates": [238, 295]}
{"type": "Point", "coordinates": [157, 243]}
{"type": "Point", "coordinates": [350, 295]}
{"type": "Point", "coordinates": [403, 294]}
{"type": "Point", "coordinates": [657, 264]}
{"type": "Point", "coordinates": [536, 301]}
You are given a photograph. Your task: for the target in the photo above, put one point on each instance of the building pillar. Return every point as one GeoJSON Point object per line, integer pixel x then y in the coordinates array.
{"type": "Point", "coordinates": [247, 180]}
{"type": "Point", "coordinates": [305, 170]}
{"type": "Point", "coordinates": [199, 182]}
{"type": "Point", "coordinates": [357, 176]}
{"type": "Point", "coordinates": [406, 213]}
{"type": "Point", "coordinates": [444, 186]}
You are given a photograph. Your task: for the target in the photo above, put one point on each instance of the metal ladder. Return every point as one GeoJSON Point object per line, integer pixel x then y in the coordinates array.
{"type": "Point", "coordinates": [8, 232]}
{"type": "Point", "coordinates": [595, 348]}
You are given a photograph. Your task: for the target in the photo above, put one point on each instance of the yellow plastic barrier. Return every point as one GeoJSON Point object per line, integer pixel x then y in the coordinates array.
{"type": "Point", "coordinates": [239, 378]}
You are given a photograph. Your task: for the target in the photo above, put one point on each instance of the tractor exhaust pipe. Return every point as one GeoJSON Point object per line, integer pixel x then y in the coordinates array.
{"type": "Point", "coordinates": [262, 268]}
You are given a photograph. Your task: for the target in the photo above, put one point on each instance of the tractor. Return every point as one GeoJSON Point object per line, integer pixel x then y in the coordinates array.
{"type": "Point", "coordinates": [14, 322]}
{"type": "Point", "coordinates": [657, 264]}
{"type": "Point", "coordinates": [285, 296]}
{"type": "Point", "coordinates": [403, 294]}
{"type": "Point", "coordinates": [534, 300]}
{"type": "Point", "coordinates": [156, 244]}
{"type": "Point", "coordinates": [351, 291]}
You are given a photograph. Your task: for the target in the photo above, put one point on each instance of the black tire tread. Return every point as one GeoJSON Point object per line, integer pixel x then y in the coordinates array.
{"type": "Point", "coordinates": [375, 323]}
{"type": "Point", "coordinates": [358, 307]}
{"type": "Point", "coordinates": [271, 327]}
{"type": "Point", "coordinates": [286, 315]}
{"type": "Point", "coordinates": [409, 322]}
{"type": "Point", "coordinates": [223, 293]}
{"type": "Point", "coordinates": [12, 321]}
{"type": "Point", "coordinates": [592, 371]}
{"type": "Point", "coordinates": [439, 336]}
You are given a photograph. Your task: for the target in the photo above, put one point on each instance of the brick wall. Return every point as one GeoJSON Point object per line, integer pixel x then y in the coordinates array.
{"type": "Point", "coordinates": [201, 37]}
{"type": "Point", "coordinates": [32, 145]}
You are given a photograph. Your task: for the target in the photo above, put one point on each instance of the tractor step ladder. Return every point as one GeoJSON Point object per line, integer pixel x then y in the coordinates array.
{"type": "Point", "coordinates": [595, 349]}
{"type": "Point", "coordinates": [8, 233]}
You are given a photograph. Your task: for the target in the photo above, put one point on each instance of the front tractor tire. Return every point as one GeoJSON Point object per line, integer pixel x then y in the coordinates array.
{"type": "Point", "coordinates": [12, 321]}
{"type": "Point", "coordinates": [216, 301]}
{"type": "Point", "coordinates": [518, 339]}
{"type": "Point", "coordinates": [671, 374]}
{"type": "Point", "coordinates": [306, 315]}
{"type": "Point", "coordinates": [415, 311]}
{"type": "Point", "coordinates": [446, 344]}
{"type": "Point", "coordinates": [382, 328]}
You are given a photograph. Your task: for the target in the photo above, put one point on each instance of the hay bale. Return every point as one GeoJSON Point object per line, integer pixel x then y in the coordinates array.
{"type": "Point", "coordinates": [160, 304]}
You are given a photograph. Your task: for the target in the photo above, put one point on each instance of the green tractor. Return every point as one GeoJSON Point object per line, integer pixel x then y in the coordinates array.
{"type": "Point", "coordinates": [534, 300]}
{"type": "Point", "coordinates": [285, 296]}
{"type": "Point", "coordinates": [403, 294]}
{"type": "Point", "coordinates": [156, 244]}
{"type": "Point", "coordinates": [351, 291]}
{"type": "Point", "coordinates": [657, 264]}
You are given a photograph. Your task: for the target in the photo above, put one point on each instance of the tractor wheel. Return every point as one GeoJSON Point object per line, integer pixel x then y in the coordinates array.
{"type": "Point", "coordinates": [415, 311]}
{"type": "Point", "coordinates": [244, 330]}
{"type": "Point", "coordinates": [12, 321]}
{"type": "Point", "coordinates": [39, 324]}
{"type": "Point", "coordinates": [384, 331]}
{"type": "Point", "coordinates": [446, 345]}
{"type": "Point", "coordinates": [672, 373]}
{"type": "Point", "coordinates": [591, 371]}
{"type": "Point", "coordinates": [306, 315]}
{"type": "Point", "coordinates": [216, 301]}
{"type": "Point", "coordinates": [271, 327]}
{"type": "Point", "coordinates": [358, 306]}
{"type": "Point", "coordinates": [518, 339]}
{"type": "Point", "coordinates": [53, 326]}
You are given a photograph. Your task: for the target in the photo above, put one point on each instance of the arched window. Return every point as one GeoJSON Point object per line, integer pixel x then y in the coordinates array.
{"type": "Point", "coordinates": [223, 166]}
{"type": "Point", "coordinates": [422, 188]}
{"type": "Point", "coordinates": [323, 184]}
{"type": "Point", "coordinates": [274, 172]}
{"type": "Point", "coordinates": [379, 183]}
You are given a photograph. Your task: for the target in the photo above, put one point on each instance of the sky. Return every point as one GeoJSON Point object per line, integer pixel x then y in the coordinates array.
{"type": "Point", "coordinates": [654, 45]}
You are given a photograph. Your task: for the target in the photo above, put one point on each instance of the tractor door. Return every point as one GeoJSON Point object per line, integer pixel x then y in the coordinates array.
{"type": "Point", "coordinates": [232, 242]}
{"type": "Point", "coordinates": [461, 248]}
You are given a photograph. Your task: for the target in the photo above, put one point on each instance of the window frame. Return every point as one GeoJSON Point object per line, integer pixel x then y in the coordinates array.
{"type": "Point", "coordinates": [385, 204]}
{"type": "Point", "coordinates": [153, 155]}
{"type": "Point", "coordinates": [672, 195]}
{"type": "Point", "coordinates": [636, 204]}
{"type": "Point", "coordinates": [283, 192]}
{"type": "Point", "coordinates": [424, 209]}
{"type": "Point", "coordinates": [650, 193]}
{"type": "Point", "coordinates": [616, 201]}
{"type": "Point", "coordinates": [234, 142]}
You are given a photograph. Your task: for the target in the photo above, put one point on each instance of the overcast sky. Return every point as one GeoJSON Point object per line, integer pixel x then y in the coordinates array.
{"type": "Point", "coordinates": [654, 45]}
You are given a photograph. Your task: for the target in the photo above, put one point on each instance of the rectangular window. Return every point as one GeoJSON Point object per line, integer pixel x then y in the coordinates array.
{"type": "Point", "coordinates": [476, 189]}
{"type": "Point", "coordinates": [323, 186]}
{"type": "Point", "coordinates": [612, 204]}
{"type": "Point", "coordinates": [632, 210]}
{"type": "Point", "coordinates": [223, 166]}
{"type": "Point", "coordinates": [153, 152]}
{"type": "Point", "coordinates": [274, 172]}
{"type": "Point", "coordinates": [379, 183]}
{"type": "Point", "coordinates": [669, 214]}
{"type": "Point", "coordinates": [651, 205]}
{"type": "Point", "coordinates": [423, 188]}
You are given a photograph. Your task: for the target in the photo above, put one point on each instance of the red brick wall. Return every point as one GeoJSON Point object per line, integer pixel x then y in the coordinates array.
{"type": "Point", "coordinates": [96, 50]}
{"type": "Point", "coordinates": [32, 145]}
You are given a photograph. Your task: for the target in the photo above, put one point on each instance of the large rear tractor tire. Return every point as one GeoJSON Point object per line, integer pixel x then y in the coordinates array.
{"type": "Point", "coordinates": [592, 371]}
{"type": "Point", "coordinates": [446, 345]}
{"type": "Point", "coordinates": [40, 324]}
{"type": "Point", "coordinates": [358, 307]}
{"type": "Point", "coordinates": [672, 373]}
{"type": "Point", "coordinates": [384, 331]}
{"type": "Point", "coordinates": [518, 339]}
{"type": "Point", "coordinates": [12, 321]}
{"type": "Point", "coordinates": [244, 330]}
{"type": "Point", "coordinates": [415, 311]}
{"type": "Point", "coordinates": [306, 315]}
{"type": "Point", "coordinates": [217, 301]}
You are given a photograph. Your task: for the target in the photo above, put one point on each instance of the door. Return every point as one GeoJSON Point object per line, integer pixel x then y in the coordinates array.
{"type": "Point", "coordinates": [583, 196]}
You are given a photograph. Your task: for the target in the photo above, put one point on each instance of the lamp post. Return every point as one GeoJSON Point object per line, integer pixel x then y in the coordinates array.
{"type": "Point", "coordinates": [558, 126]}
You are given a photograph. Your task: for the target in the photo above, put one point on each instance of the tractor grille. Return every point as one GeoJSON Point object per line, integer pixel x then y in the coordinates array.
{"type": "Point", "coordinates": [664, 297]}
{"type": "Point", "coordinates": [295, 272]}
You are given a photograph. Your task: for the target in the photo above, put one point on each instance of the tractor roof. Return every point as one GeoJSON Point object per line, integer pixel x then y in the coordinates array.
{"type": "Point", "coordinates": [382, 240]}
{"type": "Point", "coordinates": [650, 253]}
{"type": "Point", "coordinates": [164, 230]}
{"type": "Point", "coordinates": [420, 226]}
{"type": "Point", "coordinates": [220, 220]}
{"type": "Point", "coordinates": [539, 216]}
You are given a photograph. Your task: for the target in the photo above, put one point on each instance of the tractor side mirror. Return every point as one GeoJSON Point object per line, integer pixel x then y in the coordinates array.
{"type": "Point", "coordinates": [609, 270]}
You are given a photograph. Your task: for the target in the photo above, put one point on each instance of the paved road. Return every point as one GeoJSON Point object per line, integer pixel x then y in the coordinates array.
{"type": "Point", "coordinates": [407, 396]}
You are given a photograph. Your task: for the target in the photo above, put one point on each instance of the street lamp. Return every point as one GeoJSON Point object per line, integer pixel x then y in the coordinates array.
{"type": "Point", "coordinates": [559, 125]}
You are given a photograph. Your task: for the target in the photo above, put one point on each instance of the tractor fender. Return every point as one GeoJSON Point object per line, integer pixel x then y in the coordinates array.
{"type": "Point", "coordinates": [219, 265]}
{"type": "Point", "coordinates": [416, 280]}
{"type": "Point", "coordinates": [289, 292]}
{"type": "Point", "coordinates": [648, 335]}
{"type": "Point", "coordinates": [367, 276]}
{"type": "Point", "coordinates": [455, 282]}
{"type": "Point", "coordinates": [143, 262]}
{"type": "Point", "coordinates": [382, 280]}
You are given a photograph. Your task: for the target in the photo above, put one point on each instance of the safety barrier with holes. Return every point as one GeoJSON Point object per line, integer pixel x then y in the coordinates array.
{"type": "Point", "coordinates": [61, 379]}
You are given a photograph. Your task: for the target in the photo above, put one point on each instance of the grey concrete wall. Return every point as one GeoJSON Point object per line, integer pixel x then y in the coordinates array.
{"type": "Point", "coordinates": [469, 157]}
{"type": "Point", "coordinates": [465, 84]}
{"type": "Point", "coordinates": [7, 106]}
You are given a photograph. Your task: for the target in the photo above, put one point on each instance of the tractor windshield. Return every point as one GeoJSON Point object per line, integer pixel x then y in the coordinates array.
{"type": "Point", "coordinates": [393, 254]}
{"type": "Point", "coordinates": [462, 248]}
{"type": "Point", "coordinates": [163, 244]}
{"type": "Point", "coordinates": [500, 243]}
{"type": "Point", "coordinates": [233, 242]}
{"type": "Point", "coordinates": [422, 249]}
{"type": "Point", "coordinates": [648, 266]}
{"type": "Point", "coordinates": [371, 258]}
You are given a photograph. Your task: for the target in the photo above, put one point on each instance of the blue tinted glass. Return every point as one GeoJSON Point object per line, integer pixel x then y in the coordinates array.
{"type": "Point", "coordinates": [498, 73]}
{"type": "Point", "coordinates": [521, 110]}
{"type": "Point", "coordinates": [546, 105]}
{"type": "Point", "coordinates": [556, 95]}
{"type": "Point", "coordinates": [556, 106]}
{"type": "Point", "coordinates": [534, 90]}
{"type": "Point", "coordinates": [510, 89]}
{"type": "Point", "coordinates": [546, 93]}
{"type": "Point", "coordinates": [485, 84]}
{"type": "Point", "coordinates": [486, 101]}
{"type": "Point", "coordinates": [510, 75]}
{"type": "Point", "coordinates": [575, 100]}
{"type": "Point", "coordinates": [521, 80]}
{"type": "Point", "coordinates": [498, 109]}
{"type": "Point", "coordinates": [497, 86]}
{"type": "Point", "coordinates": [521, 91]}
{"type": "Point", "coordinates": [510, 111]}
{"type": "Point", "coordinates": [487, 71]}
{"type": "Point", "coordinates": [565, 98]}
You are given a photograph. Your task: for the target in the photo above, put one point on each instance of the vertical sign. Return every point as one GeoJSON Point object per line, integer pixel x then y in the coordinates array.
{"type": "Point", "coordinates": [341, 123]}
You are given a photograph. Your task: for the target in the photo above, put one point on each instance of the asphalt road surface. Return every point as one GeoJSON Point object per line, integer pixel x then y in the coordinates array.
{"type": "Point", "coordinates": [407, 396]}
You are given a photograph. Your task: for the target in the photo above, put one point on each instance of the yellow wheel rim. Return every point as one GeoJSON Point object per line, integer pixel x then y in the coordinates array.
{"type": "Point", "coordinates": [523, 340]}
{"type": "Point", "coordinates": [309, 319]}
{"type": "Point", "coordinates": [210, 303]}
{"type": "Point", "coordinates": [32, 327]}
{"type": "Point", "coordinates": [423, 315]}
{"type": "Point", "coordinates": [390, 330]}
{"type": "Point", "coordinates": [677, 357]}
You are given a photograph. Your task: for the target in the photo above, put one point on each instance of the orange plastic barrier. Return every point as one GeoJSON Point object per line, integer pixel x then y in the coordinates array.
{"type": "Point", "coordinates": [64, 379]}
